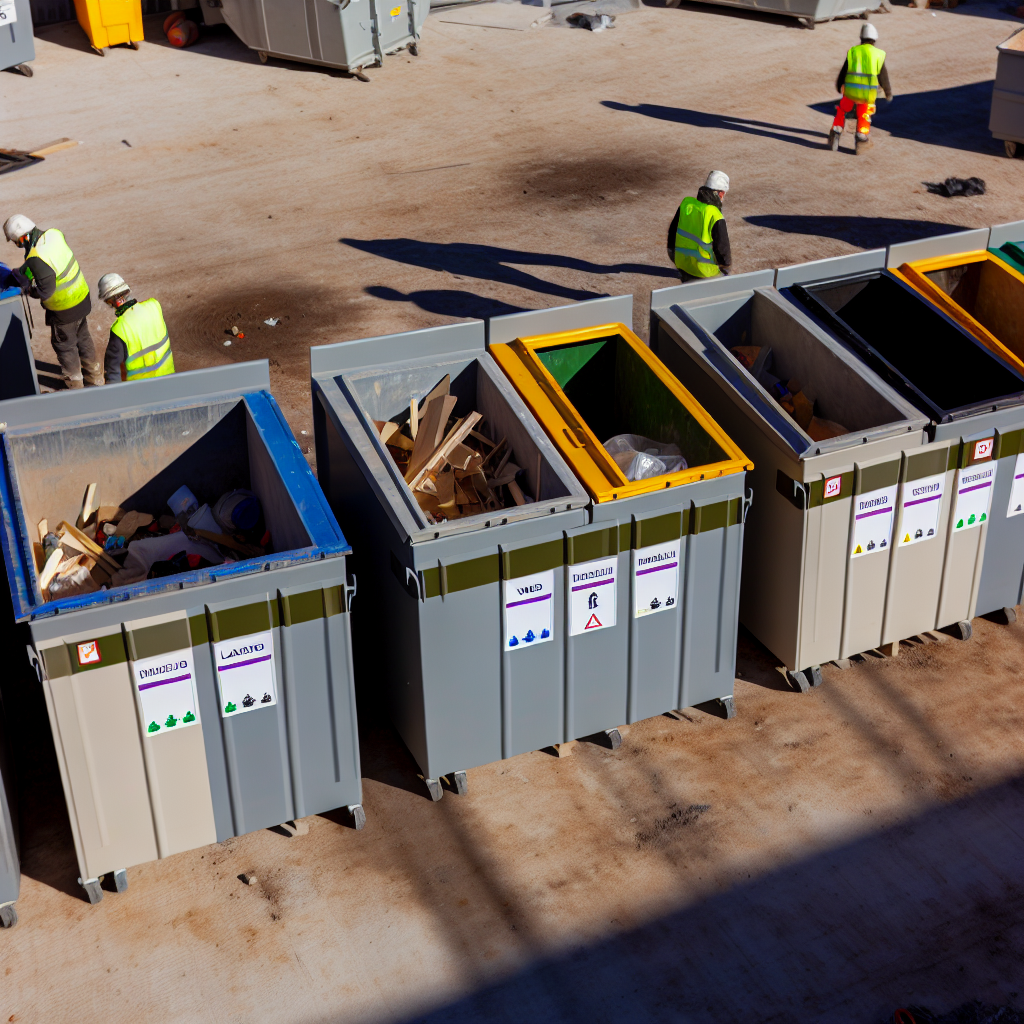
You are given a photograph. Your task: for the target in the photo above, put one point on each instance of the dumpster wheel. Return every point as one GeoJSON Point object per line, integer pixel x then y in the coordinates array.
{"type": "Point", "coordinates": [433, 788]}
{"type": "Point", "coordinates": [93, 889]}
{"type": "Point", "coordinates": [806, 679]}
{"type": "Point", "coordinates": [727, 705]}
{"type": "Point", "coordinates": [358, 816]}
{"type": "Point", "coordinates": [8, 916]}
{"type": "Point", "coordinates": [26, 70]}
{"type": "Point", "coordinates": [1009, 147]}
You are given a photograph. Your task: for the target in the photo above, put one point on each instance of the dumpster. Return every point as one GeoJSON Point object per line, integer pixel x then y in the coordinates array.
{"type": "Point", "coordinates": [209, 694]}
{"type": "Point", "coordinates": [17, 47]}
{"type": "Point", "coordinates": [670, 532]}
{"type": "Point", "coordinates": [1012, 254]}
{"type": "Point", "coordinates": [1006, 121]}
{"type": "Point", "coordinates": [971, 396]}
{"type": "Point", "coordinates": [345, 34]}
{"type": "Point", "coordinates": [110, 22]}
{"type": "Point", "coordinates": [471, 669]}
{"type": "Point", "coordinates": [821, 545]}
{"type": "Point", "coordinates": [999, 234]}
{"type": "Point", "coordinates": [807, 12]}
{"type": "Point", "coordinates": [10, 865]}
{"type": "Point", "coordinates": [17, 364]}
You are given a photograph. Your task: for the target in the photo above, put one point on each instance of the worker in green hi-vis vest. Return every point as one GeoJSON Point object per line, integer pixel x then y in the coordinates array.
{"type": "Point", "coordinates": [698, 240]}
{"type": "Point", "coordinates": [860, 78]}
{"type": "Point", "coordinates": [139, 345]}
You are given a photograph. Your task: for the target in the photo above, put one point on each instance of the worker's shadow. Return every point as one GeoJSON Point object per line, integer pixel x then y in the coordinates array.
{"type": "Point", "coordinates": [700, 119]}
{"type": "Point", "coordinates": [490, 263]}
{"type": "Point", "coordinates": [864, 232]}
{"type": "Point", "coordinates": [448, 302]}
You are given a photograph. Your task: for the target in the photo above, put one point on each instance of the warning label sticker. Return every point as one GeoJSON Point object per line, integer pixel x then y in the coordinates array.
{"type": "Point", "coordinates": [973, 496]}
{"type": "Point", "coordinates": [529, 610]}
{"type": "Point", "coordinates": [921, 505]}
{"type": "Point", "coordinates": [656, 578]}
{"type": "Point", "coordinates": [592, 596]}
{"type": "Point", "coordinates": [872, 521]}
{"type": "Point", "coordinates": [245, 673]}
{"type": "Point", "coordinates": [167, 691]}
{"type": "Point", "coordinates": [1016, 505]}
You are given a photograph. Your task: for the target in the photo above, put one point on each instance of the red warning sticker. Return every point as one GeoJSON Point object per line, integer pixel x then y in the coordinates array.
{"type": "Point", "coordinates": [594, 623]}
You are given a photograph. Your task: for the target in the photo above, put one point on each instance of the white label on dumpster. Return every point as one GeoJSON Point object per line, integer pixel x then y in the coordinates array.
{"type": "Point", "coordinates": [1016, 505]}
{"type": "Point", "coordinates": [922, 503]}
{"type": "Point", "coordinates": [245, 673]}
{"type": "Point", "coordinates": [529, 610]}
{"type": "Point", "coordinates": [8, 12]}
{"type": "Point", "coordinates": [872, 521]}
{"type": "Point", "coordinates": [592, 596]}
{"type": "Point", "coordinates": [973, 496]}
{"type": "Point", "coordinates": [656, 578]}
{"type": "Point", "coordinates": [167, 691]}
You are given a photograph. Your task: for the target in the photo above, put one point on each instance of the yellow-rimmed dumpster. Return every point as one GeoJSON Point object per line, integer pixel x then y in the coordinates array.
{"type": "Point", "coordinates": [111, 22]}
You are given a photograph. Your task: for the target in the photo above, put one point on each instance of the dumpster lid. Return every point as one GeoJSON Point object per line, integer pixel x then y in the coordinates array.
{"type": "Point", "coordinates": [522, 359]}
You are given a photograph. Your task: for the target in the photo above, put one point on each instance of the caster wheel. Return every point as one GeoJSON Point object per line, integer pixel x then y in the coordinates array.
{"type": "Point", "coordinates": [728, 705]}
{"type": "Point", "coordinates": [100, 51]}
{"type": "Point", "coordinates": [1002, 616]}
{"type": "Point", "coordinates": [121, 880]}
{"type": "Point", "coordinates": [614, 738]}
{"type": "Point", "coordinates": [8, 916]}
{"type": "Point", "coordinates": [361, 75]}
{"type": "Point", "coordinates": [460, 782]}
{"type": "Point", "coordinates": [414, 49]}
{"type": "Point", "coordinates": [961, 630]}
{"type": "Point", "coordinates": [798, 680]}
{"type": "Point", "coordinates": [807, 23]}
{"type": "Point", "coordinates": [134, 45]}
{"type": "Point", "coordinates": [358, 816]}
{"type": "Point", "coordinates": [813, 675]}
{"type": "Point", "coordinates": [262, 54]}
{"type": "Point", "coordinates": [434, 789]}
{"type": "Point", "coordinates": [1010, 148]}
{"type": "Point", "coordinates": [93, 889]}
{"type": "Point", "coordinates": [26, 70]}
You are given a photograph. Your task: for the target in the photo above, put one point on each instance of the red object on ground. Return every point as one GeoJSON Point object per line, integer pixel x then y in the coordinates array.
{"type": "Point", "coordinates": [179, 30]}
{"type": "Point", "coordinates": [240, 335]}
{"type": "Point", "coordinates": [172, 19]}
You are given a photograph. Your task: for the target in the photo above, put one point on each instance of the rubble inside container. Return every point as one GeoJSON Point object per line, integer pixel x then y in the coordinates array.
{"type": "Point", "coordinates": [110, 546]}
{"type": "Point", "coordinates": [451, 464]}
{"type": "Point", "coordinates": [790, 395]}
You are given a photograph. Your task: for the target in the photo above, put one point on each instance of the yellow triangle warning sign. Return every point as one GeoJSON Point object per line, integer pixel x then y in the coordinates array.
{"type": "Point", "coordinates": [906, 540]}
{"type": "Point", "coordinates": [858, 550]}
{"type": "Point", "coordinates": [593, 623]}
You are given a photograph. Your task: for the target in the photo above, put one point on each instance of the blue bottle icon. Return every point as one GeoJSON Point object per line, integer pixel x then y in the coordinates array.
{"type": "Point", "coordinates": [514, 642]}
{"type": "Point", "coordinates": [544, 634]}
{"type": "Point", "coordinates": [529, 638]}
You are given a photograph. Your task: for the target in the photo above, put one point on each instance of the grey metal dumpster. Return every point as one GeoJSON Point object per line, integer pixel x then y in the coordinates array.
{"type": "Point", "coordinates": [673, 541]}
{"type": "Point", "coordinates": [971, 397]}
{"type": "Point", "coordinates": [1006, 121]}
{"type": "Point", "coordinates": [437, 602]}
{"type": "Point", "coordinates": [809, 12]}
{"type": "Point", "coordinates": [10, 865]}
{"type": "Point", "coordinates": [17, 47]}
{"type": "Point", "coordinates": [820, 538]}
{"type": "Point", "coordinates": [196, 703]}
{"type": "Point", "coordinates": [346, 34]}
{"type": "Point", "coordinates": [17, 364]}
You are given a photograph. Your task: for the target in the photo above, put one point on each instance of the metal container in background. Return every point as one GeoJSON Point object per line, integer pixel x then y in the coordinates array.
{"type": "Point", "coordinates": [1006, 121]}
{"type": "Point", "coordinates": [346, 34]}
{"type": "Point", "coordinates": [139, 785]}
{"type": "Point", "coordinates": [807, 12]}
{"type": "Point", "coordinates": [816, 566]}
{"type": "Point", "coordinates": [672, 542]}
{"type": "Point", "coordinates": [971, 397]}
{"type": "Point", "coordinates": [433, 615]}
{"type": "Point", "coordinates": [17, 364]}
{"type": "Point", "coordinates": [17, 46]}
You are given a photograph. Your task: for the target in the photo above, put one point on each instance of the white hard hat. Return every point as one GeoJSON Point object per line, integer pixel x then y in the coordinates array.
{"type": "Point", "coordinates": [718, 181]}
{"type": "Point", "coordinates": [868, 32]}
{"type": "Point", "coordinates": [17, 227]}
{"type": "Point", "coordinates": [110, 286]}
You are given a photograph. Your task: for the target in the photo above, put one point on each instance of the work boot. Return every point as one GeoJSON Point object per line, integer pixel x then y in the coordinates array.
{"type": "Point", "coordinates": [863, 143]}
{"type": "Point", "coordinates": [73, 382]}
{"type": "Point", "coordinates": [833, 138]}
{"type": "Point", "coordinates": [93, 373]}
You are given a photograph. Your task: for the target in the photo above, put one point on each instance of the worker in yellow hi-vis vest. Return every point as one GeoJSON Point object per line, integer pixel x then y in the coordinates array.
{"type": "Point", "coordinates": [698, 240]}
{"type": "Point", "coordinates": [860, 78]}
{"type": "Point", "coordinates": [139, 345]}
{"type": "Point", "coordinates": [51, 274]}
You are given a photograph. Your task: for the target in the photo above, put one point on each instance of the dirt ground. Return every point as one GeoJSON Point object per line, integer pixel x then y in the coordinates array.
{"type": "Point", "coordinates": [826, 856]}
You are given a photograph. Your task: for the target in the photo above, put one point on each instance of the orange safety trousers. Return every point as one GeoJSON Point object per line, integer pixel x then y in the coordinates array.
{"type": "Point", "coordinates": [864, 112]}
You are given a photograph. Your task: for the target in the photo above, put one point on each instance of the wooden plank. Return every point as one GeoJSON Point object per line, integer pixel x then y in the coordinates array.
{"type": "Point", "coordinates": [441, 388]}
{"type": "Point", "coordinates": [516, 492]}
{"type": "Point", "coordinates": [446, 491]}
{"type": "Point", "coordinates": [430, 432]}
{"type": "Point", "coordinates": [414, 418]}
{"type": "Point", "coordinates": [52, 567]}
{"type": "Point", "coordinates": [87, 545]}
{"type": "Point", "coordinates": [42, 529]}
{"type": "Point", "coordinates": [88, 506]}
{"type": "Point", "coordinates": [482, 437]}
{"type": "Point", "coordinates": [54, 147]}
{"type": "Point", "coordinates": [455, 437]}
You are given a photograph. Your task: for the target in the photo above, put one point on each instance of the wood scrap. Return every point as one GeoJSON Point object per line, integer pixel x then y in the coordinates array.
{"type": "Point", "coordinates": [88, 506]}
{"type": "Point", "coordinates": [455, 437]}
{"type": "Point", "coordinates": [516, 492]}
{"type": "Point", "coordinates": [131, 523]}
{"type": "Point", "coordinates": [52, 567]}
{"type": "Point", "coordinates": [110, 514]}
{"type": "Point", "coordinates": [414, 420]}
{"type": "Point", "coordinates": [482, 437]}
{"type": "Point", "coordinates": [445, 484]}
{"type": "Point", "coordinates": [442, 387]}
{"type": "Point", "coordinates": [53, 147]}
{"type": "Point", "coordinates": [42, 529]}
{"type": "Point", "coordinates": [68, 533]}
{"type": "Point", "coordinates": [430, 432]}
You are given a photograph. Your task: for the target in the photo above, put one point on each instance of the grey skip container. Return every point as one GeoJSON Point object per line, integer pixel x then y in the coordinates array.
{"type": "Point", "coordinates": [974, 401]}
{"type": "Point", "coordinates": [345, 34]}
{"type": "Point", "coordinates": [136, 790]}
{"type": "Point", "coordinates": [647, 665]}
{"type": "Point", "coordinates": [17, 364]}
{"type": "Point", "coordinates": [429, 623]}
{"type": "Point", "coordinates": [1006, 120]}
{"type": "Point", "coordinates": [1001, 585]}
{"type": "Point", "coordinates": [17, 45]}
{"type": "Point", "coordinates": [808, 12]}
{"type": "Point", "coordinates": [806, 594]}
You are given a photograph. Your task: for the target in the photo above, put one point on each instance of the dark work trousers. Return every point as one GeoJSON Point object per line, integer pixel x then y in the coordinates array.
{"type": "Point", "coordinates": [76, 353]}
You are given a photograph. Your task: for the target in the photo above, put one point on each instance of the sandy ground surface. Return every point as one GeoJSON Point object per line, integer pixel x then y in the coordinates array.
{"type": "Point", "coordinates": [825, 856]}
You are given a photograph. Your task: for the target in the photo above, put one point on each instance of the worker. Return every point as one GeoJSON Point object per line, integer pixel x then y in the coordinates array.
{"type": "Point", "coordinates": [51, 274]}
{"type": "Point", "coordinates": [698, 240]}
{"type": "Point", "coordinates": [139, 345]}
{"type": "Point", "coordinates": [859, 81]}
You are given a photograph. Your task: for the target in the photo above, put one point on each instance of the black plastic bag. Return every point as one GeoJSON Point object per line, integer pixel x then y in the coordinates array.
{"type": "Point", "coordinates": [956, 187]}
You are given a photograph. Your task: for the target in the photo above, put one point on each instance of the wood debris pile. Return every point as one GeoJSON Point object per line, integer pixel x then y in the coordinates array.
{"type": "Point", "coordinates": [452, 466]}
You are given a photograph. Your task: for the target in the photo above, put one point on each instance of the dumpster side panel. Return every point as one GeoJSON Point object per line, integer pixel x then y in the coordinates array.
{"type": "Point", "coordinates": [1000, 304]}
{"type": "Point", "coordinates": [829, 565]}
{"type": "Point", "coordinates": [10, 870]}
{"type": "Point", "coordinates": [213, 736]}
{"type": "Point", "coordinates": [1002, 574]}
{"type": "Point", "coordinates": [960, 576]}
{"type": "Point", "coordinates": [17, 364]}
{"type": "Point", "coordinates": [97, 731]}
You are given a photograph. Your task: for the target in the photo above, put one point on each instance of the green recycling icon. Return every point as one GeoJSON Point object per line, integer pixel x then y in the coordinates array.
{"type": "Point", "coordinates": [960, 524]}
{"type": "Point", "coordinates": [171, 722]}
{"type": "Point", "coordinates": [229, 707]}
{"type": "Point", "coordinates": [970, 519]}
{"type": "Point", "coordinates": [189, 717]}
{"type": "Point", "coordinates": [153, 727]}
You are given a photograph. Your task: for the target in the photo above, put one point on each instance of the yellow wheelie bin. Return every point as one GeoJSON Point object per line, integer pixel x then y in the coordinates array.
{"type": "Point", "coordinates": [111, 22]}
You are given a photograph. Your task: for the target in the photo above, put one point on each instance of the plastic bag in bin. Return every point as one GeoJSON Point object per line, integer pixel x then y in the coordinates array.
{"type": "Point", "coordinates": [640, 457]}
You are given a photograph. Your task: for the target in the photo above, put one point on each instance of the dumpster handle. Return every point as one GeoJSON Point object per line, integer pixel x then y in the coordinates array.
{"type": "Point", "coordinates": [573, 439]}
{"type": "Point", "coordinates": [748, 500]}
{"type": "Point", "coordinates": [351, 589]}
{"type": "Point", "coordinates": [33, 660]}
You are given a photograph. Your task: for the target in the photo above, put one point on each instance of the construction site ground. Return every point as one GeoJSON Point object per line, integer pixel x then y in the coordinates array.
{"type": "Point", "coordinates": [825, 856]}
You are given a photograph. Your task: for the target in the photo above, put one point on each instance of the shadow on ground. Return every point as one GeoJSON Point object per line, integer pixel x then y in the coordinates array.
{"type": "Point", "coordinates": [490, 263]}
{"type": "Point", "coordinates": [865, 232]}
{"type": "Point", "coordinates": [928, 912]}
{"type": "Point", "coordinates": [448, 302]}
{"type": "Point", "coordinates": [956, 118]}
